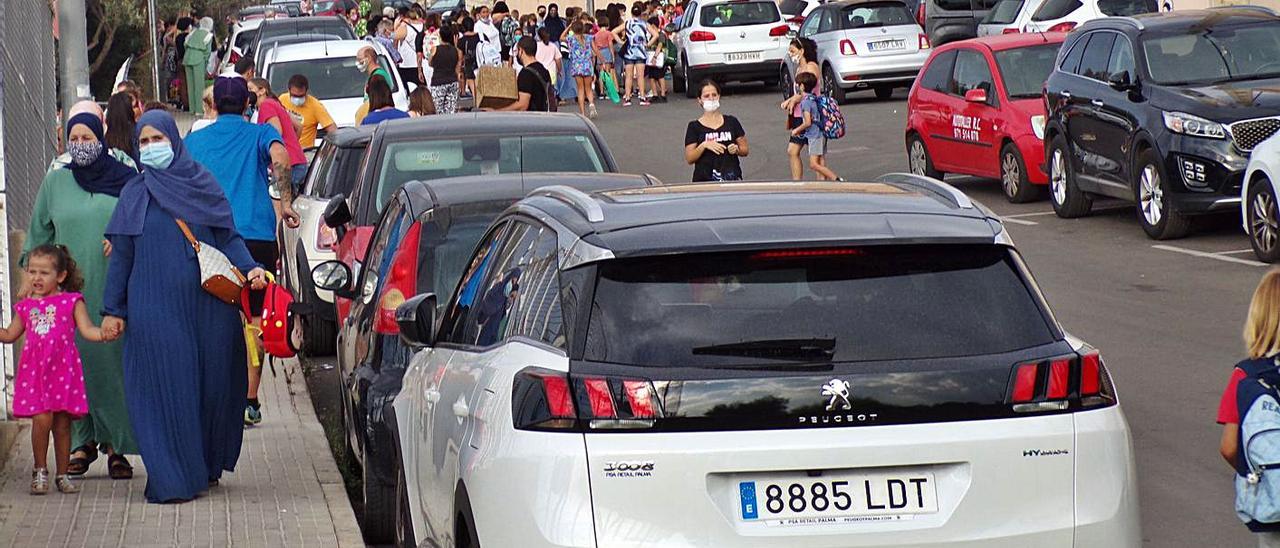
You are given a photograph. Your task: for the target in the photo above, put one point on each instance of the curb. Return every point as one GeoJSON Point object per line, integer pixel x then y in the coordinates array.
{"type": "Point", "coordinates": [9, 431]}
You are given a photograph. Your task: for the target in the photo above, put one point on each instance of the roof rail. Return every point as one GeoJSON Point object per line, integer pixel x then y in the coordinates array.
{"type": "Point", "coordinates": [1262, 9]}
{"type": "Point", "coordinates": [950, 193]}
{"type": "Point", "coordinates": [577, 199]}
{"type": "Point", "coordinates": [1129, 20]}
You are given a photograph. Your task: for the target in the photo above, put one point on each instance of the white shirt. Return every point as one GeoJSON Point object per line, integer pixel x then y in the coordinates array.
{"type": "Point", "coordinates": [489, 52]}
{"type": "Point", "coordinates": [409, 55]}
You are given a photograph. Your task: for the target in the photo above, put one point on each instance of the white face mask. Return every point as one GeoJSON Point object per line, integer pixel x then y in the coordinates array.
{"type": "Point", "coordinates": [362, 66]}
{"type": "Point", "coordinates": [297, 101]}
{"type": "Point", "coordinates": [711, 106]}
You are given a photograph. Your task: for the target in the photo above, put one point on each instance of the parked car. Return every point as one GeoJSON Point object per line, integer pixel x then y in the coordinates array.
{"type": "Point", "coordinates": [1008, 17]}
{"type": "Point", "coordinates": [1163, 110]}
{"type": "Point", "coordinates": [1258, 200]}
{"type": "Point", "coordinates": [1065, 15]}
{"type": "Point", "coordinates": [332, 172]}
{"type": "Point", "coordinates": [456, 145]}
{"type": "Point", "coordinates": [334, 26]}
{"type": "Point", "coordinates": [292, 7]}
{"type": "Point", "coordinates": [756, 364]}
{"type": "Point", "coordinates": [243, 33]}
{"type": "Point", "coordinates": [864, 44]}
{"type": "Point", "coordinates": [729, 40]}
{"type": "Point", "coordinates": [325, 8]}
{"type": "Point", "coordinates": [330, 68]}
{"type": "Point", "coordinates": [422, 244]}
{"type": "Point", "coordinates": [951, 20]}
{"type": "Point", "coordinates": [794, 12]}
{"type": "Point", "coordinates": [977, 109]}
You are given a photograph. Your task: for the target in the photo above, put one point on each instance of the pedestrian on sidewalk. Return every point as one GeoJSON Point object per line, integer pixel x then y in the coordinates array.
{"type": "Point", "coordinates": [446, 72]}
{"type": "Point", "coordinates": [239, 154]}
{"type": "Point", "coordinates": [713, 142]}
{"type": "Point", "coordinates": [196, 60]}
{"type": "Point", "coordinates": [272, 113]}
{"type": "Point", "coordinates": [534, 91]}
{"type": "Point", "coordinates": [121, 119]}
{"type": "Point", "coordinates": [638, 34]}
{"type": "Point", "coordinates": [49, 387]}
{"type": "Point", "coordinates": [184, 358]}
{"type": "Point", "coordinates": [580, 66]}
{"type": "Point", "coordinates": [809, 132]}
{"type": "Point", "coordinates": [71, 210]}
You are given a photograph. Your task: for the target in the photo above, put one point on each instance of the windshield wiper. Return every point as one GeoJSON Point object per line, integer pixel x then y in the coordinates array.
{"type": "Point", "coordinates": [805, 349]}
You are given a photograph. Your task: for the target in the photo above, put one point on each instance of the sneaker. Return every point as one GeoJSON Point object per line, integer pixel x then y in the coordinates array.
{"type": "Point", "coordinates": [592, 112]}
{"type": "Point", "coordinates": [39, 481]}
{"type": "Point", "coordinates": [644, 102]}
{"type": "Point", "coordinates": [65, 486]}
{"type": "Point", "coordinates": [252, 415]}
{"type": "Point", "coordinates": [627, 102]}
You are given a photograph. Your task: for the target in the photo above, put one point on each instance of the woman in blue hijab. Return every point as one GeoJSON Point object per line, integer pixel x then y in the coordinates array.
{"type": "Point", "coordinates": [184, 351]}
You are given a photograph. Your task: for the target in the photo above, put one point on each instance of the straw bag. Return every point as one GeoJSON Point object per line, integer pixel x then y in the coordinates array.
{"type": "Point", "coordinates": [217, 275]}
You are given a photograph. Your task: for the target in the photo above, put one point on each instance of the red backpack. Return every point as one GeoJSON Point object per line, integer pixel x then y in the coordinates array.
{"type": "Point", "coordinates": [277, 319]}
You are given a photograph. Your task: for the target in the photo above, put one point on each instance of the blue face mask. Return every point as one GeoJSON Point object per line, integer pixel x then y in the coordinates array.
{"type": "Point", "coordinates": [157, 155]}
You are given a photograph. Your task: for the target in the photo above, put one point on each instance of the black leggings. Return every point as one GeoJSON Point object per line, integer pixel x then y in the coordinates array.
{"type": "Point", "coordinates": [409, 75]}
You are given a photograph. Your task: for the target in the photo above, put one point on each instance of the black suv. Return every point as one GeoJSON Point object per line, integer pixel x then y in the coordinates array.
{"type": "Point", "coordinates": [1162, 110]}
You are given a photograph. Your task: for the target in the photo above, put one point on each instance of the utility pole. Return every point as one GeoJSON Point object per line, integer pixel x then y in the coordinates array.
{"type": "Point", "coordinates": [73, 53]}
{"type": "Point", "coordinates": [155, 52]}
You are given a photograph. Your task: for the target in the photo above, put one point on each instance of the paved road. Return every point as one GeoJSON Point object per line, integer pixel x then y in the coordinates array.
{"type": "Point", "coordinates": [1167, 319]}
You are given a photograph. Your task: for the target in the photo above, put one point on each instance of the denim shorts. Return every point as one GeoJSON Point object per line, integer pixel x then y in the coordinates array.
{"type": "Point", "coordinates": [299, 177]}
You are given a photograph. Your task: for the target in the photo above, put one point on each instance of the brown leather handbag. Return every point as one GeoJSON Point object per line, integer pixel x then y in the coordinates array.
{"type": "Point", "coordinates": [217, 275]}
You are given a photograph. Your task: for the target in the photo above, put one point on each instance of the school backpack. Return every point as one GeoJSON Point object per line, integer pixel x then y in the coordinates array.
{"type": "Point", "coordinates": [1257, 480]}
{"type": "Point", "coordinates": [832, 119]}
{"type": "Point", "coordinates": [277, 319]}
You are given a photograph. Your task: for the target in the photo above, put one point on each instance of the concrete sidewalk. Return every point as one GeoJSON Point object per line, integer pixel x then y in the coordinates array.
{"type": "Point", "coordinates": [286, 491]}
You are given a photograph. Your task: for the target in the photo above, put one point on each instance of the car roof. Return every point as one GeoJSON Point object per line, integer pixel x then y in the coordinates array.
{"type": "Point", "coordinates": [302, 23]}
{"type": "Point", "coordinates": [846, 3]}
{"type": "Point", "coordinates": [324, 49]}
{"type": "Point", "coordinates": [351, 137]}
{"type": "Point", "coordinates": [1001, 42]}
{"type": "Point", "coordinates": [719, 2]}
{"type": "Point", "coordinates": [508, 188]}
{"type": "Point", "coordinates": [483, 123]}
{"type": "Point", "coordinates": [1186, 20]}
{"type": "Point", "coordinates": [721, 216]}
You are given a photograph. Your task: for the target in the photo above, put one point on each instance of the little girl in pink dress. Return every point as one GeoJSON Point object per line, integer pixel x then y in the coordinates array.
{"type": "Point", "coordinates": [49, 387]}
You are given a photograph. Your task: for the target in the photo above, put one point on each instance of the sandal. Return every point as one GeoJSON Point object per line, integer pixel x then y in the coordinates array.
{"type": "Point", "coordinates": [77, 466]}
{"type": "Point", "coordinates": [118, 467]}
{"type": "Point", "coordinates": [65, 486]}
{"type": "Point", "coordinates": [39, 481]}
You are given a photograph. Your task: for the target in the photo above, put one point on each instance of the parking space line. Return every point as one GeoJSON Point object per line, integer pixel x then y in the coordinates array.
{"type": "Point", "coordinates": [1236, 252]}
{"type": "Point", "coordinates": [1207, 255]}
{"type": "Point", "coordinates": [1036, 214]}
{"type": "Point", "coordinates": [1018, 221]}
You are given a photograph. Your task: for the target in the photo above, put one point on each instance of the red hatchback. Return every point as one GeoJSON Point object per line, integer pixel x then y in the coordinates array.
{"type": "Point", "coordinates": [976, 109]}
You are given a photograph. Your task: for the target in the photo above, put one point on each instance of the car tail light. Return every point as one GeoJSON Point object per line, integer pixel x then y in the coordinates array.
{"type": "Point", "coordinates": [701, 36]}
{"type": "Point", "coordinates": [1063, 27]}
{"type": "Point", "coordinates": [796, 20]}
{"type": "Point", "coordinates": [234, 58]}
{"type": "Point", "coordinates": [780, 30]}
{"type": "Point", "coordinates": [846, 48]}
{"type": "Point", "coordinates": [924, 42]}
{"type": "Point", "coordinates": [550, 400]}
{"type": "Point", "coordinates": [806, 253]}
{"type": "Point", "coordinates": [401, 282]}
{"type": "Point", "coordinates": [920, 18]}
{"type": "Point", "coordinates": [1071, 382]}
{"type": "Point", "coordinates": [1010, 30]}
{"type": "Point", "coordinates": [326, 238]}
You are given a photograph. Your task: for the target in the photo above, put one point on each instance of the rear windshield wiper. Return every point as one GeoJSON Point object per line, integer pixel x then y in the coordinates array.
{"type": "Point", "coordinates": [812, 348]}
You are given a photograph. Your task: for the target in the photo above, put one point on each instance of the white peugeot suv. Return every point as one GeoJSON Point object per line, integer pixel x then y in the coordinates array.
{"type": "Point", "coordinates": [729, 40]}
{"type": "Point", "coordinates": [756, 364]}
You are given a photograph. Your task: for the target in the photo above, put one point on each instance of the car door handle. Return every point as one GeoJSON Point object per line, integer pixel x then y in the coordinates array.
{"type": "Point", "coordinates": [461, 410]}
{"type": "Point", "coordinates": [1096, 102]}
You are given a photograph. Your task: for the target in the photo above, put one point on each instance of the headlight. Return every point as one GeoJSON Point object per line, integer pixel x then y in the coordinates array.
{"type": "Point", "coordinates": [1037, 126]}
{"type": "Point", "coordinates": [1186, 124]}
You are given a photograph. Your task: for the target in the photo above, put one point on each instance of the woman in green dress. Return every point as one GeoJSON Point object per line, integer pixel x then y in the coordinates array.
{"type": "Point", "coordinates": [196, 61]}
{"type": "Point", "coordinates": [72, 209]}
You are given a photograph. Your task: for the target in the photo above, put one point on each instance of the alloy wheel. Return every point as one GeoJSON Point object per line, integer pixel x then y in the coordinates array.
{"type": "Point", "coordinates": [918, 160]}
{"type": "Point", "coordinates": [1150, 195]}
{"type": "Point", "coordinates": [1010, 175]}
{"type": "Point", "coordinates": [1263, 226]}
{"type": "Point", "coordinates": [1058, 177]}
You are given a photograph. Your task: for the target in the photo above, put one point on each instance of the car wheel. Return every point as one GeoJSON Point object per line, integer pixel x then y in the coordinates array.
{"type": "Point", "coordinates": [404, 520]}
{"type": "Point", "coordinates": [884, 92]}
{"type": "Point", "coordinates": [319, 336]}
{"type": "Point", "coordinates": [831, 86]}
{"type": "Point", "coordinates": [1068, 200]}
{"type": "Point", "coordinates": [1013, 176]}
{"type": "Point", "coordinates": [691, 83]}
{"type": "Point", "coordinates": [1158, 220]}
{"type": "Point", "coordinates": [1264, 227]}
{"type": "Point", "coordinates": [379, 519]}
{"type": "Point", "coordinates": [918, 159]}
{"type": "Point", "coordinates": [678, 83]}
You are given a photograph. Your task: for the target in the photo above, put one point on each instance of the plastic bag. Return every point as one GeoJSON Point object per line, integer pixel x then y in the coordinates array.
{"type": "Point", "coordinates": [610, 86]}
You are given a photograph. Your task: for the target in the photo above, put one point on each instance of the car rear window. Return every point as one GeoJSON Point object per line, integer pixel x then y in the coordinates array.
{"type": "Point", "coordinates": [953, 5]}
{"type": "Point", "coordinates": [1228, 53]}
{"type": "Point", "coordinates": [330, 78]}
{"type": "Point", "coordinates": [1055, 9]}
{"type": "Point", "coordinates": [886, 14]}
{"type": "Point", "coordinates": [831, 305]}
{"type": "Point", "coordinates": [737, 14]}
{"type": "Point", "coordinates": [1004, 13]}
{"type": "Point", "coordinates": [793, 7]}
{"type": "Point", "coordinates": [427, 160]}
{"type": "Point", "coordinates": [1127, 7]}
{"type": "Point", "coordinates": [245, 38]}
{"type": "Point", "coordinates": [1025, 70]}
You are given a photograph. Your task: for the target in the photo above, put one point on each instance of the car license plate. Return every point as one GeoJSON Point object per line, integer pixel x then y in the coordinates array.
{"type": "Point", "coordinates": [886, 45]}
{"type": "Point", "coordinates": [743, 56]}
{"type": "Point", "coordinates": [847, 497]}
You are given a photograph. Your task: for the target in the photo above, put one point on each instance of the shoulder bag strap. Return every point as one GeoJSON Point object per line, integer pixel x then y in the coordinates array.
{"type": "Point", "coordinates": [186, 231]}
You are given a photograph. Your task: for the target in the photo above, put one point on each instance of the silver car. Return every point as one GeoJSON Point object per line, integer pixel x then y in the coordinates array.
{"type": "Point", "coordinates": [864, 44]}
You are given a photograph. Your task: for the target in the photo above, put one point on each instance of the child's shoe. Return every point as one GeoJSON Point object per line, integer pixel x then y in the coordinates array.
{"type": "Point", "coordinates": [39, 481]}
{"type": "Point", "coordinates": [64, 485]}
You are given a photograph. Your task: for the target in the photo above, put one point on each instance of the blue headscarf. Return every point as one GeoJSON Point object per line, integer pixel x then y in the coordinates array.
{"type": "Point", "coordinates": [185, 189]}
{"type": "Point", "coordinates": [105, 175]}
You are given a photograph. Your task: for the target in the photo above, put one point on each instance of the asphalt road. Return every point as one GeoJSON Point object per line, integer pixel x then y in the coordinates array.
{"type": "Point", "coordinates": [1167, 316]}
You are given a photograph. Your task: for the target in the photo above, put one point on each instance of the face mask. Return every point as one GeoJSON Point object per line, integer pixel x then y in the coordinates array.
{"type": "Point", "coordinates": [297, 101]}
{"type": "Point", "coordinates": [711, 106]}
{"type": "Point", "coordinates": [157, 155]}
{"type": "Point", "coordinates": [84, 153]}
{"type": "Point", "coordinates": [362, 66]}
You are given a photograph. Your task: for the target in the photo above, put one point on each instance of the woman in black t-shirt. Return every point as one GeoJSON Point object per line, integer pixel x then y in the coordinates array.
{"type": "Point", "coordinates": [446, 67]}
{"type": "Point", "coordinates": [714, 141]}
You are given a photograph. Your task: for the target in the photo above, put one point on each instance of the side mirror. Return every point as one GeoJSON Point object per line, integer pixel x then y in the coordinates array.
{"type": "Point", "coordinates": [1120, 81]}
{"type": "Point", "coordinates": [333, 276]}
{"type": "Point", "coordinates": [337, 213]}
{"type": "Point", "coordinates": [417, 320]}
{"type": "Point", "coordinates": [976, 95]}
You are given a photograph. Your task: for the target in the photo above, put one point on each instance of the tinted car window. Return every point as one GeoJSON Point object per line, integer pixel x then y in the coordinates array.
{"type": "Point", "coordinates": [873, 303]}
{"type": "Point", "coordinates": [1055, 9]}
{"type": "Point", "coordinates": [330, 78]}
{"type": "Point", "coordinates": [1127, 7]}
{"type": "Point", "coordinates": [1242, 52]}
{"type": "Point", "coordinates": [343, 175]}
{"type": "Point", "coordinates": [447, 251]}
{"type": "Point", "coordinates": [827, 21]}
{"type": "Point", "coordinates": [793, 7]}
{"type": "Point", "coordinates": [738, 14]}
{"type": "Point", "coordinates": [952, 5]}
{"type": "Point", "coordinates": [1003, 13]}
{"type": "Point", "coordinates": [875, 15]}
{"type": "Point", "coordinates": [938, 76]}
{"type": "Point", "coordinates": [1071, 61]}
{"type": "Point", "coordinates": [971, 72]}
{"type": "Point", "coordinates": [536, 312]}
{"type": "Point", "coordinates": [462, 309]}
{"type": "Point", "coordinates": [319, 170]}
{"type": "Point", "coordinates": [245, 38]}
{"type": "Point", "coordinates": [1024, 70]}
{"type": "Point", "coordinates": [1121, 58]}
{"type": "Point", "coordinates": [1096, 56]}
{"type": "Point", "coordinates": [501, 286]}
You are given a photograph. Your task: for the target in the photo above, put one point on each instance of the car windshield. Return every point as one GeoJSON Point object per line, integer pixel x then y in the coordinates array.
{"type": "Point", "coordinates": [737, 14]}
{"type": "Point", "coordinates": [1004, 13]}
{"type": "Point", "coordinates": [841, 305]}
{"type": "Point", "coordinates": [330, 78]}
{"type": "Point", "coordinates": [426, 160]}
{"type": "Point", "coordinates": [885, 14]}
{"type": "Point", "coordinates": [1024, 70]}
{"type": "Point", "coordinates": [1244, 52]}
{"type": "Point", "coordinates": [1055, 9]}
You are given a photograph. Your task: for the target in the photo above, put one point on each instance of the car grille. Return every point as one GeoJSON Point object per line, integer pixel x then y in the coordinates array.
{"type": "Point", "coordinates": [1249, 133]}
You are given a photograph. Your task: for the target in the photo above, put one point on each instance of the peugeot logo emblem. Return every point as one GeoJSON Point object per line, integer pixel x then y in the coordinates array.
{"type": "Point", "coordinates": [742, 34]}
{"type": "Point", "coordinates": [838, 391]}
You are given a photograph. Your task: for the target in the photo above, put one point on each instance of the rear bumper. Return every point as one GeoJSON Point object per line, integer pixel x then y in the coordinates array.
{"type": "Point", "coordinates": [855, 72]}
{"type": "Point", "coordinates": [1106, 481]}
{"type": "Point", "coordinates": [739, 72]}
{"type": "Point", "coordinates": [1032, 150]}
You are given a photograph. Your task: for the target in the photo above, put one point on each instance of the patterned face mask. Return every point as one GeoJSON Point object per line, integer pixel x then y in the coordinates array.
{"type": "Point", "coordinates": [84, 153]}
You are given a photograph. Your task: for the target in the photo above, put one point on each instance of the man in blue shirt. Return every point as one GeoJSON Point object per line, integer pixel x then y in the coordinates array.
{"type": "Point", "coordinates": [239, 154]}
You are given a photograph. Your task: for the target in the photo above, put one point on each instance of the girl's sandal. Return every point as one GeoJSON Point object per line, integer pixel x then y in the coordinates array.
{"type": "Point", "coordinates": [118, 467]}
{"type": "Point", "coordinates": [65, 486]}
{"type": "Point", "coordinates": [79, 465]}
{"type": "Point", "coordinates": [39, 481]}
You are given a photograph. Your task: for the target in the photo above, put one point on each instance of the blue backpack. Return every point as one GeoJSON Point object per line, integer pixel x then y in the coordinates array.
{"type": "Point", "coordinates": [1257, 478]}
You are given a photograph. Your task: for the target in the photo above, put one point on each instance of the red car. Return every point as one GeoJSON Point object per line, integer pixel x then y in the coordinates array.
{"type": "Point", "coordinates": [976, 109]}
